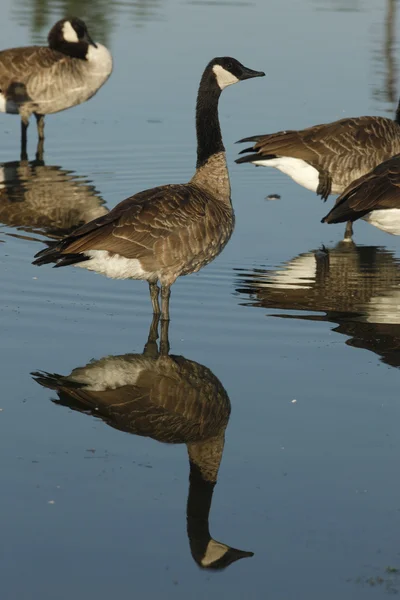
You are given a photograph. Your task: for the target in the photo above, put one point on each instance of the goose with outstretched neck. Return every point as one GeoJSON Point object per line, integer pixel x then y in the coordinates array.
{"type": "Point", "coordinates": [172, 400]}
{"type": "Point", "coordinates": [162, 233]}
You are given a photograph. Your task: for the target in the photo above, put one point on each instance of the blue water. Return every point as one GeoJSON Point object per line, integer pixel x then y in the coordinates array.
{"type": "Point", "coordinates": [305, 340]}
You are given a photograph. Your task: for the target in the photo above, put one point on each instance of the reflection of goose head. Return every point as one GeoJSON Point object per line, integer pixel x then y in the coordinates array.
{"type": "Point", "coordinates": [357, 287]}
{"type": "Point", "coordinates": [46, 199]}
{"type": "Point", "coordinates": [170, 399]}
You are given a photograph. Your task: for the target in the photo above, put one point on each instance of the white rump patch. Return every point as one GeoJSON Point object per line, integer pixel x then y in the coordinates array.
{"type": "Point", "coordinates": [108, 374]}
{"type": "Point", "coordinates": [69, 33]}
{"type": "Point", "coordinates": [224, 77]}
{"type": "Point", "coordinates": [215, 551]}
{"type": "Point", "coordinates": [114, 265]}
{"type": "Point", "coordinates": [387, 219]}
{"type": "Point", "coordinates": [300, 171]}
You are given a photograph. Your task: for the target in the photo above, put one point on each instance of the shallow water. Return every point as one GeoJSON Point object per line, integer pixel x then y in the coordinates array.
{"type": "Point", "coordinates": [298, 332]}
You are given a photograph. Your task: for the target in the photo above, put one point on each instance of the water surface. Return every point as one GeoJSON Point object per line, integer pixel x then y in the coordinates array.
{"type": "Point", "coordinates": [301, 331]}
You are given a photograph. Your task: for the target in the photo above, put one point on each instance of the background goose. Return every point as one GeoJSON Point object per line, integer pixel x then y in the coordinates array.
{"type": "Point", "coordinates": [170, 399]}
{"type": "Point", "coordinates": [168, 231]}
{"type": "Point", "coordinates": [41, 80]}
{"type": "Point", "coordinates": [375, 198]}
{"type": "Point", "coordinates": [327, 158]}
{"type": "Point", "coordinates": [46, 199]}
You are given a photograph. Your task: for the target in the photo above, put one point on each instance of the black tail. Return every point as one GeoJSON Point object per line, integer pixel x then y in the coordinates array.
{"type": "Point", "coordinates": [253, 138]}
{"type": "Point", "coordinates": [252, 157]}
{"type": "Point", "coordinates": [53, 254]}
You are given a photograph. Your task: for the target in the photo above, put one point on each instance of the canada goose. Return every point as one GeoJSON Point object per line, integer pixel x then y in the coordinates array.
{"type": "Point", "coordinates": [42, 80]}
{"type": "Point", "coordinates": [327, 158]}
{"type": "Point", "coordinates": [374, 197]}
{"type": "Point", "coordinates": [354, 287]}
{"type": "Point", "coordinates": [172, 400]}
{"type": "Point", "coordinates": [168, 231]}
{"type": "Point", "coordinates": [46, 199]}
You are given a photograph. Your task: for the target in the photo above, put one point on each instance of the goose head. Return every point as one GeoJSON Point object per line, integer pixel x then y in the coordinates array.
{"type": "Point", "coordinates": [71, 37]}
{"type": "Point", "coordinates": [227, 71]}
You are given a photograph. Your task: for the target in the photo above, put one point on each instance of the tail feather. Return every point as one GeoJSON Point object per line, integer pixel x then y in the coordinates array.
{"type": "Point", "coordinates": [53, 254]}
{"type": "Point", "coordinates": [252, 157]}
{"type": "Point", "coordinates": [253, 138]}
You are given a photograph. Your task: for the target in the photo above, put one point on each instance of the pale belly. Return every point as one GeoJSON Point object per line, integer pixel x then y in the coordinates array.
{"type": "Point", "coordinates": [386, 219]}
{"type": "Point", "coordinates": [300, 171]}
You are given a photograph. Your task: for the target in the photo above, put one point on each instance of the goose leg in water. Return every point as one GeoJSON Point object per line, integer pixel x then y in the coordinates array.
{"type": "Point", "coordinates": [164, 339]}
{"type": "Point", "coordinates": [154, 291]}
{"type": "Point", "coordinates": [24, 127]}
{"type": "Point", "coordinates": [348, 234]}
{"type": "Point", "coordinates": [40, 151]}
{"type": "Point", "coordinates": [151, 348]}
{"type": "Point", "coordinates": [165, 294]}
{"type": "Point", "coordinates": [40, 125]}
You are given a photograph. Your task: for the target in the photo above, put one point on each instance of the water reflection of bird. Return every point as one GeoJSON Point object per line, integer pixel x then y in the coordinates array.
{"type": "Point", "coordinates": [46, 199]}
{"type": "Point", "coordinates": [357, 287]}
{"type": "Point", "coordinates": [170, 399]}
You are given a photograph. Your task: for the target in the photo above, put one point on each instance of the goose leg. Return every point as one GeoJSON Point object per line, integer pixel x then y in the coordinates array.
{"type": "Point", "coordinates": [165, 294]}
{"type": "Point", "coordinates": [151, 348]}
{"type": "Point", "coordinates": [40, 151]}
{"type": "Point", "coordinates": [154, 292]}
{"type": "Point", "coordinates": [40, 125]}
{"type": "Point", "coordinates": [24, 128]}
{"type": "Point", "coordinates": [164, 338]}
{"type": "Point", "coordinates": [348, 234]}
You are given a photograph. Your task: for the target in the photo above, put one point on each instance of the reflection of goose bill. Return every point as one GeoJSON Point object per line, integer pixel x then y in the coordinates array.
{"type": "Point", "coordinates": [170, 399]}
{"type": "Point", "coordinates": [39, 197]}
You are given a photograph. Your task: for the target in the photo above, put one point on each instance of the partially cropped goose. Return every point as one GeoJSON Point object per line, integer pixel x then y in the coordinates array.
{"type": "Point", "coordinates": [172, 400]}
{"type": "Point", "coordinates": [168, 231]}
{"type": "Point", "coordinates": [327, 158]}
{"type": "Point", "coordinates": [41, 80]}
{"type": "Point", "coordinates": [375, 198]}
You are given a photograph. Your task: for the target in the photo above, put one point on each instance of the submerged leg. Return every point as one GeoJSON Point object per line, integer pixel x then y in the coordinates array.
{"type": "Point", "coordinates": [348, 234]}
{"type": "Point", "coordinates": [40, 151]}
{"type": "Point", "coordinates": [165, 294]}
{"type": "Point", "coordinates": [154, 291]}
{"type": "Point", "coordinates": [24, 127]}
{"type": "Point", "coordinates": [40, 125]}
{"type": "Point", "coordinates": [164, 339]}
{"type": "Point", "coordinates": [151, 348]}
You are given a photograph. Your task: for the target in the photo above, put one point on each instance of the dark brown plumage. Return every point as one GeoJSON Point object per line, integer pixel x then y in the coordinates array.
{"type": "Point", "coordinates": [377, 190]}
{"type": "Point", "coordinates": [173, 230]}
{"type": "Point", "coordinates": [170, 399]}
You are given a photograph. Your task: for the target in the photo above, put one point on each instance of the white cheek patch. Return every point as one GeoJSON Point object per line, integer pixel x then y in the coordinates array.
{"type": "Point", "coordinates": [69, 33]}
{"type": "Point", "coordinates": [224, 77]}
{"type": "Point", "coordinates": [215, 551]}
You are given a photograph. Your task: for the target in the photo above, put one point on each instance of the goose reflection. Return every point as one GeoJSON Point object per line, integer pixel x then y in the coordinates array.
{"type": "Point", "coordinates": [357, 287]}
{"type": "Point", "coordinates": [170, 399]}
{"type": "Point", "coordinates": [35, 197]}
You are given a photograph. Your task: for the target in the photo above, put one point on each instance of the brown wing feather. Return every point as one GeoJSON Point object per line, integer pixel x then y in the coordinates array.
{"type": "Point", "coordinates": [352, 144]}
{"type": "Point", "coordinates": [378, 189]}
{"type": "Point", "coordinates": [18, 64]}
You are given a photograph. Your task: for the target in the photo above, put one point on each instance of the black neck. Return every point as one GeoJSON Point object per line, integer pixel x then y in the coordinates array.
{"type": "Point", "coordinates": [397, 117]}
{"type": "Point", "coordinates": [74, 50]}
{"type": "Point", "coordinates": [209, 138]}
{"type": "Point", "coordinates": [197, 512]}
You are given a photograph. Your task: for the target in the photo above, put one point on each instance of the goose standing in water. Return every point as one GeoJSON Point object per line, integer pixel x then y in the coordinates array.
{"type": "Point", "coordinates": [168, 231]}
{"type": "Point", "coordinates": [327, 158]}
{"type": "Point", "coordinates": [172, 400]}
{"type": "Point", "coordinates": [42, 80]}
{"type": "Point", "coordinates": [375, 198]}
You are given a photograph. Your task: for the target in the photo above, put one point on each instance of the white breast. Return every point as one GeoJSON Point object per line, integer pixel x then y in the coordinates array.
{"type": "Point", "coordinates": [387, 219]}
{"type": "Point", "coordinates": [99, 60]}
{"type": "Point", "coordinates": [300, 171]}
{"type": "Point", "coordinates": [114, 265]}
